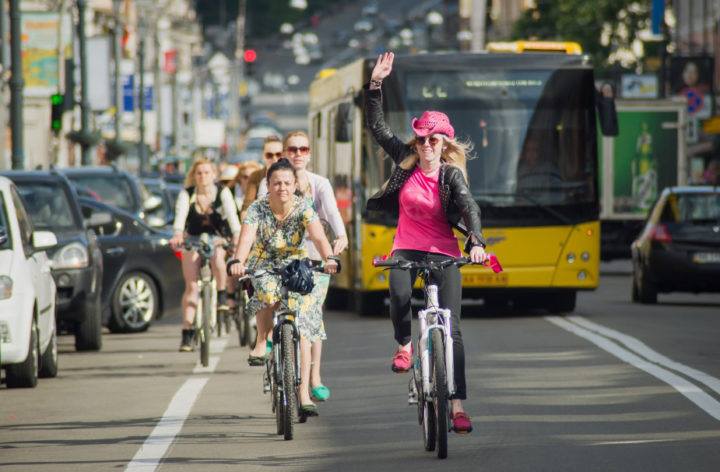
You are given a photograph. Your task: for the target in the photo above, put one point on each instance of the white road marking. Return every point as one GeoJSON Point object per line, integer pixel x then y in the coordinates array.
{"type": "Point", "coordinates": [148, 458]}
{"type": "Point", "coordinates": [644, 350]}
{"type": "Point", "coordinates": [691, 391]}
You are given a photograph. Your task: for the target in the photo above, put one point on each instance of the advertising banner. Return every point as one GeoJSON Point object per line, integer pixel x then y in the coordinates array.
{"type": "Point", "coordinates": [692, 78]}
{"type": "Point", "coordinates": [40, 53]}
{"type": "Point", "coordinates": [645, 159]}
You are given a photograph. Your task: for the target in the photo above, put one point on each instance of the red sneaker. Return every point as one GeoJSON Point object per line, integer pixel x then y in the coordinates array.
{"type": "Point", "coordinates": [402, 361]}
{"type": "Point", "coordinates": [461, 423]}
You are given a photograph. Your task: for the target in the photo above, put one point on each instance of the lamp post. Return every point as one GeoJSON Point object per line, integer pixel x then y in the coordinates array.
{"type": "Point", "coordinates": [16, 87]}
{"type": "Point", "coordinates": [84, 103]}
{"type": "Point", "coordinates": [117, 53]}
{"type": "Point", "coordinates": [144, 14]}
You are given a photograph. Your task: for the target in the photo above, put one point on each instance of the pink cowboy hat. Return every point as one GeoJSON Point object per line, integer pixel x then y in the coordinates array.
{"type": "Point", "coordinates": [433, 122]}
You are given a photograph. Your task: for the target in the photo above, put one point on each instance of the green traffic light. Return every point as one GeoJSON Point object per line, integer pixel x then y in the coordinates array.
{"type": "Point", "coordinates": [57, 99]}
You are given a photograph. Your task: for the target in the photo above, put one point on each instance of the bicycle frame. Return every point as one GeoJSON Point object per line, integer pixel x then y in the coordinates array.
{"type": "Point", "coordinates": [435, 318]}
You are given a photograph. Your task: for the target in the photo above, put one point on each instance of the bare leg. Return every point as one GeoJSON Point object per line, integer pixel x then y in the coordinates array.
{"type": "Point", "coordinates": [305, 360]}
{"type": "Point", "coordinates": [191, 272]}
{"type": "Point", "coordinates": [217, 263]}
{"type": "Point", "coordinates": [457, 406]}
{"type": "Point", "coordinates": [315, 379]}
{"type": "Point", "coordinates": [264, 327]}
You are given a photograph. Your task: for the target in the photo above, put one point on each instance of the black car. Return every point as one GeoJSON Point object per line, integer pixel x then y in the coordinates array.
{"type": "Point", "coordinates": [679, 248]}
{"type": "Point", "coordinates": [77, 264]}
{"type": "Point", "coordinates": [143, 277]}
{"type": "Point", "coordinates": [115, 187]}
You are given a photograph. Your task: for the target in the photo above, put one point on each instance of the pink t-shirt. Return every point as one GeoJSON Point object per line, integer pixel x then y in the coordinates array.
{"type": "Point", "coordinates": [422, 225]}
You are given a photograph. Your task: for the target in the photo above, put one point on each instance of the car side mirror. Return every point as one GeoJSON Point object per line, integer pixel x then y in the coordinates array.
{"type": "Point", "coordinates": [344, 123]}
{"type": "Point", "coordinates": [42, 240]}
{"type": "Point", "coordinates": [152, 203]}
{"type": "Point", "coordinates": [99, 218]}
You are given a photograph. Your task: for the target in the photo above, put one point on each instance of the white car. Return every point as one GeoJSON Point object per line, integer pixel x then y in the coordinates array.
{"type": "Point", "coordinates": [28, 338]}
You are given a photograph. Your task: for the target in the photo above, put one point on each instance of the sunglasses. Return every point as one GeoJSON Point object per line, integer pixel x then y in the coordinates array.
{"type": "Point", "coordinates": [433, 140]}
{"type": "Point", "coordinates": [270, 155]}
{"type": "Point", "coordinates": [302, 150]}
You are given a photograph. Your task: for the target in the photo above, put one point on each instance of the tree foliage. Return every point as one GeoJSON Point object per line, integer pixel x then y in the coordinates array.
{"type": "Point", "coordinates": [607, 30]}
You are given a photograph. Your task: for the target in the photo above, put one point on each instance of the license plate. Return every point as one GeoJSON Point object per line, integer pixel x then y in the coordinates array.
{"type": "Point", "coordinates": [495, 280]}
{"type": "Point", "coordinates": [706, 258]}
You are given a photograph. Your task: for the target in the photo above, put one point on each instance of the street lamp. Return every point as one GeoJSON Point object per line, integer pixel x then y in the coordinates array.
{"type": "Point", "coordinates": [143, 11]}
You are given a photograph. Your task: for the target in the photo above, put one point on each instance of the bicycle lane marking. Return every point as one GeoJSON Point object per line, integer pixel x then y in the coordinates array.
{"type": "Point", "coordinates": [639, 347]}
{"type": "Point", "coordinates": [156, 445]}
{"type": "Point", "coordinates": [691, 391]}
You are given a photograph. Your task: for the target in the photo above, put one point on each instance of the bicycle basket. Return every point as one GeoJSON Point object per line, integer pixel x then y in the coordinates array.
{"type": "Point", "coordinates": [297, 276]}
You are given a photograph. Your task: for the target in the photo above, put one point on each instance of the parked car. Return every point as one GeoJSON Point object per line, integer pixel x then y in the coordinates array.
{"type": "Point", "coordinates": [115, 187]}
{"type": "Point", "coordinates": [28, 336]}
{"type": "Point", "coordinates": [679, 248]}
{"type": "Point", "coordinates": [164, 215]}
{"type": "Point", "coordinates": [143, 278]}
{"type": "Point", "coordinates": [52, 203]}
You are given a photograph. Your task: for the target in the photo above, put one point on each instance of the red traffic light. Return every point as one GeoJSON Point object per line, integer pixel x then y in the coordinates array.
{"type": "Point", "coordinates": [250, 55]}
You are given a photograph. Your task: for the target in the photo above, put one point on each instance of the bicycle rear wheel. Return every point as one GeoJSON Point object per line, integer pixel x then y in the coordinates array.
{"type": "Point", "coordinates": [288, 375]}
{"type": "Point", "coordinates": [440, 393]}
{"type": "Point", "coordinates": [205, 329]}
{"type": "Point", "coordinates": [426, 412]}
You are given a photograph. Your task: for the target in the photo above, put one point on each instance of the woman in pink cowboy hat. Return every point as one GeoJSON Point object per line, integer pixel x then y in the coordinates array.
{"type": "Point", "coordinates": [428, 193]}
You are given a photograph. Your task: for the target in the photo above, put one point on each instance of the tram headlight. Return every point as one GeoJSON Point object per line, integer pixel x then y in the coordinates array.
{"type": "Point", "coordinates": [582, 275]}
{"type": "Point", "coordinates": [585, 256]}
{"type": "Point", "coordinates": [571, 257]}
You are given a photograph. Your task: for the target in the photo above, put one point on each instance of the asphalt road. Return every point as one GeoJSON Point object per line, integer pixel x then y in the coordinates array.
{"type": "Point", "coordinates": [545, 393]}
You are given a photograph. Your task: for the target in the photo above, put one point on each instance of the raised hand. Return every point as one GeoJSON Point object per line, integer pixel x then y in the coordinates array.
{"type": "Point", "coordinates": [383, 66]}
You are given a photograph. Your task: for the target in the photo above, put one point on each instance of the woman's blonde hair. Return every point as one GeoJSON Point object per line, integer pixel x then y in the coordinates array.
{"type": "Point", "coordinates": [454, 153]}
{"type": "Point", "coordinates": [190, 176]}
{"type": "Point", "coordinates": [292, 134]}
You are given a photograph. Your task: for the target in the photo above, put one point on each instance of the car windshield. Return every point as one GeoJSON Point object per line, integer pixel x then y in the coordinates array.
{"type": "Point", "coordinates": [5, 239]}
{"type": "Point", "coordinates": [113, 190]}
{"type": "Point", "coordinates": [48, 206]}
{"type": "Point", "coordinates": [693, 208]}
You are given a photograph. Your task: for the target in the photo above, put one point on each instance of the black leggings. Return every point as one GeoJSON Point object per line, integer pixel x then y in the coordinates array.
{"type": "Point", "coordinates": [450, 297]}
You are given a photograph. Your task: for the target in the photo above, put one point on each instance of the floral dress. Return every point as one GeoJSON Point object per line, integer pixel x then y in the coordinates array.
{"type": "Point", "coordinates": [276, 244]}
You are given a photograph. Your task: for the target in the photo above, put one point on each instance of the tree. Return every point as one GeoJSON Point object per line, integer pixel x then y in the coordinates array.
{"type": "Point", "coordinates": [607, 30]}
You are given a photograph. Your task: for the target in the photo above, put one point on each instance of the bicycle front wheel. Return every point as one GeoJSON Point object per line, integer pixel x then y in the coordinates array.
{"type": "Point", "coordinates": [205, 334]}
{"type": "Point", "coordinates": [288, 376]}
{"type": "Point", "coordinates": [440, 392]}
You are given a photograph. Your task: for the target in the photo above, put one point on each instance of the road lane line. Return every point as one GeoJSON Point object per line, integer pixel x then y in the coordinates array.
{"type": "Point", "coordinates": [148, 458]}
{"type": "Point", "coordinates": [650, 354]}
{"type": "Point", "coordinates": [156, 445]}
{"type": "Point", "coordinates": [691, 391]}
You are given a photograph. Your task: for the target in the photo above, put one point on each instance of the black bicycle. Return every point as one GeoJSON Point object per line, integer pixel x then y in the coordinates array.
{"type": "Point", "coordinates": [244, 322]}
{"type": "Point", "coordinates": [205, 314]}
{"type": "Point", "coordinates": [282, 367]}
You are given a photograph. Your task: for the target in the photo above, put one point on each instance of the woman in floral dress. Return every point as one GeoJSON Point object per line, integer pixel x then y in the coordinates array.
{"type": "Point", "coordinates": [272, 235]}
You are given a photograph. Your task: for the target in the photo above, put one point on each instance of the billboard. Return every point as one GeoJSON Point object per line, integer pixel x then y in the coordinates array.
{"type": "Point", "coordinates": [692, 78]}
{"type": "Point", "coordinates": [40, 53]}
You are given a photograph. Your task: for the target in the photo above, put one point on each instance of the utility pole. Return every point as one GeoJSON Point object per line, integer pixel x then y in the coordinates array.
{"type": "Point", "coordinates": [236, 77]}
{"type": "Point", "coordinates": [84, 103]}
{"type": "Point", "coordinates": [3, 74]}
{"type": "Point", "coordinates": [16, 87]}
{"type": "Point", "coordinates": [117, 53]}
{"type": "Point", "coordinates": [141, 102]}
{"type": "Point", "coordinates": [477, 25]}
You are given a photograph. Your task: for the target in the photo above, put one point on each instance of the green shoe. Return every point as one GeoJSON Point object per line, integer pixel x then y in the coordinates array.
{"type": "Point", "coordinates": [320, 393]}
{"type": "Point", "coordinates": [308, 410]}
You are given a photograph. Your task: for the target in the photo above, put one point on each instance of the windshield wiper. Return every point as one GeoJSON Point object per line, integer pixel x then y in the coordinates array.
{"type": "Point", "coordinates": [559, 216]}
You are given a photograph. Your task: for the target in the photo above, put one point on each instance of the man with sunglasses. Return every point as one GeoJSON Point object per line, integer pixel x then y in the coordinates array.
{"type": "Point", "coordinates": [272, 152]}
{"type": "Point", "coordinates": [428, 193]}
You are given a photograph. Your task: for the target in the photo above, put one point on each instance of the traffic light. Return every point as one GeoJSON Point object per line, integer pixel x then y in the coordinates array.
{"type": "Point", "coordinates": [249, 56]}
{"type": "Point", "coordinates": [57, 106]}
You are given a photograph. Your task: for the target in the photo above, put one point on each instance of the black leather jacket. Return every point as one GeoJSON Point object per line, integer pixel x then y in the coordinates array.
{"type": "Point", "coordinates": [457, 202]}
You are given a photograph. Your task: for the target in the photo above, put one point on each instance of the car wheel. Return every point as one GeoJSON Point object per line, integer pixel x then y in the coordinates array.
{"type": "Point", "coordinates": [88, 332]}
{"type": "Point", "coordinates": [49, 358]}
{"type": "Point", "coordinates": [25, 374]}
{"type": "Point", "coordinates": [647, 292]}
{"type": "Point", "coordinates": [135, 303]}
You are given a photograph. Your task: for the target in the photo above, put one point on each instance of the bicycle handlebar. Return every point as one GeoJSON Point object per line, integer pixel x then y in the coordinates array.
{"type": "Point", "coordinates": [315, 266]}
{"type": "Point", "coordinates": [491, 261]}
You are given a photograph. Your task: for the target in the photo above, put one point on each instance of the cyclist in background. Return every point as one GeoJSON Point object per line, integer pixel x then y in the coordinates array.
{"type": "Point", "coordinates": [318, 189]}
{"type": "Point", "coordinates": [203, 207]}
{"type": "Point", "coordinates": [273, 232]}
{"type": "Point", "coordinates": [428, 192]}
{"type": "Point", "coordinates": [272, 152]}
